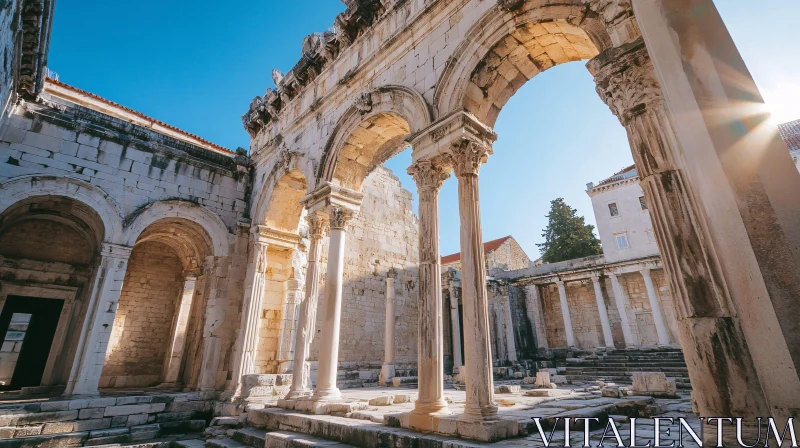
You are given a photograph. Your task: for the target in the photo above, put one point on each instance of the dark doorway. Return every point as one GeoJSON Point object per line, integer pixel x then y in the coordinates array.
{"type": "Point", "coordinates": [29, 324]}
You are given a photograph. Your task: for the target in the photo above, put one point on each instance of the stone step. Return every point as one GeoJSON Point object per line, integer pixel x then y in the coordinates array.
{"type": "Point", "coordinates": [191, 443]}
{"type": "Point", "coordinates": [251, 437]}
{"type": "Point", "coordinates": [286, 439]}
{"type": "Point", "coordinates": [224, 443]}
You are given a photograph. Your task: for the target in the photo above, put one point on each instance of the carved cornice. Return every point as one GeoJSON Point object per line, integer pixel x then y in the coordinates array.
{"type": "Point", "coordinates": [331, 195]}
{"type": "Point", "coordinates": [430, 174]}
{"type": "Point", "coordinates": [37, 21]}
{"type": "Point", "coordinates": [612, 185]}
{"type": "Point", "coordinates": [439, 137]}
{"type": "Point", "coordinates": [268, 236]}
{"type": "Point", "coordinates": [319, 50]}
{"type": "Point", "coordinates": [626, 80]}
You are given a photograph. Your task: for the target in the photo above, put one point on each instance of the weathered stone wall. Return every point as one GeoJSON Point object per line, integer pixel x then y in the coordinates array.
{"type": "Point", "coordinates": [508, 257]}
{"type": "Point", "coordinates": [382, 236]}
{"type": "Point", "coordinates": [141, 334]}
{"type": "Point", "coordinates": [640, 314]}
{"type": "Point", "coordinates": [553, 318]}
{"type": "Point", "coordinates": [279, 270]}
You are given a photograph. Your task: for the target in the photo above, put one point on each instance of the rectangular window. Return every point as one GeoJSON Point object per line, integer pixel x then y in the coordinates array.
{"type": "Point", "coordinates": [622, 240]}
{"type": "Point", "coordinates": [643, 202]}
{"type": "Point", "coordinates": [612, 209]}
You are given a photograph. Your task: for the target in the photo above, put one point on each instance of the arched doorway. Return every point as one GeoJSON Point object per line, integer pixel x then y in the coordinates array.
{"type": "Point", "coordinates": [48, 258]}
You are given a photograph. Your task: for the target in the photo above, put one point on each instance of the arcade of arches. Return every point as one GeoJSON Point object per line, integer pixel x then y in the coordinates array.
{"type": "Point", "coordinates": [162, 259]}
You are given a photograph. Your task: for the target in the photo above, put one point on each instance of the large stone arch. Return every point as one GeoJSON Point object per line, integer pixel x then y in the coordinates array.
{"type": "Point", "coordinates": [213, 226]}
{"type": "Point", "coordinates": [505, 49]}
{"type": "Point", "coordinates": [386, 117]}
{"type": "Point", "coordinates": [28, 187]}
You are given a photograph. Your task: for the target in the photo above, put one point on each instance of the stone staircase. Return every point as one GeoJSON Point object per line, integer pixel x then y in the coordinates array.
{"type": "Point", "coordinates": [260, 438]}
{"type": "Point", "coordinates": [619, 365]}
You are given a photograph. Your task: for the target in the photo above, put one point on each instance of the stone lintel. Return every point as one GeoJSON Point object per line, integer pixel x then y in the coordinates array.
{"type": "Point", "coordinates": [439, 137]}
{"type": "Point", "coordinates": [332, 195]}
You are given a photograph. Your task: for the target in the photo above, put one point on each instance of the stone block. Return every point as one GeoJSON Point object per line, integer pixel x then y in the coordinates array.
{"type": "Point", "coordinates": [183, 427]}
{"type": "Point", "coordinates": [283, 380]}
{"type": "Point", "coordinates": [118, 421]}
{"type": "Point", "coordinates": [121, 401]}
{"type": "Point", "coordinates": [174, 416]}
{"type": "Point", "coordinates": [529, 380]}
{"type": "Point", "coordinates": [144, 432]}
{"type": "Point", "coordinates": [27, 431]}
{"type": "Point", "coordinates": [558, 379]}
{"type": "Point", "coordinates": [58, 427]}
{"type": "Point", "coordinates": [183, 406]}
{"type": "Point", "coordinates": [91, 413]}
{"type": "Point", "coordinates": [137, 419]}
{"type": "Point", "coordinates": [101, 402]}
{"type": "Point", "coordinates": [68, 440]}
{"type": "Point", "coordinates": [402, 398]}
{"type": "Point", "coordinates": [542, 380]}
{"type": "Point", "coordinates": [341, 408]}
{"type": "Point", "coordinates": [507, 389]}
{"type": "Point", "coordinates": [50, 406]}
{"type": "Point", "coordinates": [7, 432]}
{"type": "Point", "coordinates": [43, 417]}
{"type": "Point", "coordinates": [89, 425]}
{"type": "Point", "coordinates": [110, 440]}
{"type": "Point", "coordinates": [611, 392]}
{"type": "Point", "coordinates": [382, 401]}
{"type": "Point", "coordinates": [403, 381]}
{"type": "Point", "coordinates": [654, 384]}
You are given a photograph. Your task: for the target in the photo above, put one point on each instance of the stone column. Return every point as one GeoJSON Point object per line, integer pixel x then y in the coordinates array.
{"type": "Point", "coordinates": [624, 322]}
{"type": "Point", "coordinates": [102, 309]}
{"type": "Point", "coordinates": [655, 308]}
{"type": "Point", "coordinates": [499, 332]}
{"type": "Point", "coordinates": [511, 345]}
{"type": "Point", "coordinates": [174, 359]}
{"type": "Point", "coordinates": [533, 304]}
{"type": "Point", "coordinates": [387, 369]}
{"type": "Point", "coordinates": [467, 157]}
{"type": "Point", "coordinates": [562, 297]}
{"type": "Point", "coordinates": [210, 364]}
{"type": "Point", "coordinates": [601, 307]}
{"type": "Point", "coordinates": [247, 340]}
{"type": "Point", "coordinates": [429, 176]}
{"type": "Point", "coordinates": [714, 201]}
{"type": "Point", "coordinates": [328, 367]}
{"type": "Point", "coordinates": [318, 227]}
{"type": "Point", "coordinates": [288, 321]}
{"type": "Point", "coordinates": [455, 323]}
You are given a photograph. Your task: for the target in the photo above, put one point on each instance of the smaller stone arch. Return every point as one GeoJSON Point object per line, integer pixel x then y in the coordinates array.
{"type": "Point", "coordinates": [288, 175]}
{"type": "Point", "coordinates": [213, 226]}
{"type": "Point", "coordinates": [383, 119]}
{"type": "Point", "coordinates": [27, 187]}
{"type": "Point", "coordinates": [505, 49]}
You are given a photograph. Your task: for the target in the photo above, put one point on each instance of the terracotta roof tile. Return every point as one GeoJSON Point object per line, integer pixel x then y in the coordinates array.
{"type": "Point", "coordinates": [140, 115]}
{"type": "Point", "coordinates": [488, 247]}
{"type": "Point", "coordinates": [791, 134]}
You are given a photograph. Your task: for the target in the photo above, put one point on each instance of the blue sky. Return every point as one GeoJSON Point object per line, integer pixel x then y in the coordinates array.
{"type": "Point", "coordinates": [197, 64]}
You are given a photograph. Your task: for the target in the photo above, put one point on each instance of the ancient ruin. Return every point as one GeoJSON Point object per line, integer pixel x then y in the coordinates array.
{"type": "Point", "coordinates": [154, 283]}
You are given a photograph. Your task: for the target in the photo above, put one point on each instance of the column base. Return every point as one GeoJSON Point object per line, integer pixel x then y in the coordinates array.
{"type": "Point", "coordinates": [295, 394]}
{"type": "Point", "coordinates": [485, 413]}
{"type": "Point", "coordinates": [387, 373]}
{"type": "Point", "coordinates": [331, 394]}
{"type": "Point", "coordinates": [455, 425]}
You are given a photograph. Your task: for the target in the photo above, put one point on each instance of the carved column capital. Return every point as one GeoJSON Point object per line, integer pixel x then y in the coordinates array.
{"type": "Point", "coordinates": [430, 174]}
{"type": "Point", "coordinates": [318, 225]}
{"type": "Point", "coordinates": [626, 81]}
{"type": "Point", "coordinates": [340, 216]}
{"type": "Point", "coordinates": [467, 156]}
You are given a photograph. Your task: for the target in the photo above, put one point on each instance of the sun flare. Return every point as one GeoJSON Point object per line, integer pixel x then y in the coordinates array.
{"type": "Point", "coordinates": [783, 102]}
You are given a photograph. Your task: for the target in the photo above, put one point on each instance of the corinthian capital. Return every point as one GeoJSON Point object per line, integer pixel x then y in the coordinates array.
{"type": "Point", "coordinates": [467, 156]}
{"type": "Point", "coordinates": [340, 216]}
{"type": "Point", "coordinates": [318, 225]}
{"type": "Point", "coordinates": [429, 174]}
{"type": "Point", "coordinates": [627, 83]}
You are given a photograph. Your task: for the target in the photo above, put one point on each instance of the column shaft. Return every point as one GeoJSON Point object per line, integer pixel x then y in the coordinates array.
{"type": "Point", "coordinates": [562, 297]}
{"type": "Point", "coordinates": [655, 308]}
{"type": "Point", "coordinates": [455, 323]}
{"type": "Point", "coordinates": [467, 158]}
{"type": "Point", "coordinates": [619, 299]}
{"type": "Point", "coordinates": [93, 342]}
{"type": "Point", "coordinates": [247, 342]}
{"type": "Point", "coordinates": [172, 364]}
{"type": "Point", "coordinates": [533, 303]}
{"type": "Point", "coordinates": [387, 369]}
{"type": "Point", "coordinates": [499, 333]}
{"type": "Point", "coordinates": [601, 308]}
{"type": "Point", "coordinates": [430, 337]}
{"type": "Point", "coordinates": [289, 318]}
{"type": "Point", "coordinates": [307, 320]}
{"type": "Point", "coordinates": [332, 309]}
{"type": "Point", "coordinates": [511, 345]}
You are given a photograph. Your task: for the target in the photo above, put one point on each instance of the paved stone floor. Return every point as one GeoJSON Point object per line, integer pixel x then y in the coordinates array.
{"type": "Point", "coordinates": [574, 401]}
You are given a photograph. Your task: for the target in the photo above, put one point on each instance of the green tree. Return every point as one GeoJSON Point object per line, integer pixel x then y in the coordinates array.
{"type": "Point", "coordinates": [567, 235]}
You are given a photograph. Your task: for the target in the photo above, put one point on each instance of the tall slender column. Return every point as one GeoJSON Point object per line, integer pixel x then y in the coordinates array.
{"type": "Point", "coordinates": [499, 332]}
{"type": "Point", "coordinates": [533, 303]}
{"type": "Point", "coordinates": [619, 299]}
{"type": "Point", "coordinates": [601, 308]}
{"type": "Point", "coordinates": [655, 308]}
{"type": "Point", "coordinates": [455, 324]}
{"type": "Point", "coordinates": [318, 227]}
{"type": "Point", "coordinates": [511, 345]}
{"type": "Point", "coordinates": [387, 369]}
{"type": "Point", "coordinates": [96, 331]}
{"type": "Point", "coordinates": [328, 367]}
{"type": "Point", "coordinates": [562, 297]}
{"type": "Point", "coordinates": [247, 341]}
{"type": "Point", "coordinates": [174, 359]}
{"type": "Point", "coordinates": [467, 157]}
{"type": "Point", "coordinates": [429, 176]}
{"type": "Point", "coordinates": [209, 366]}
